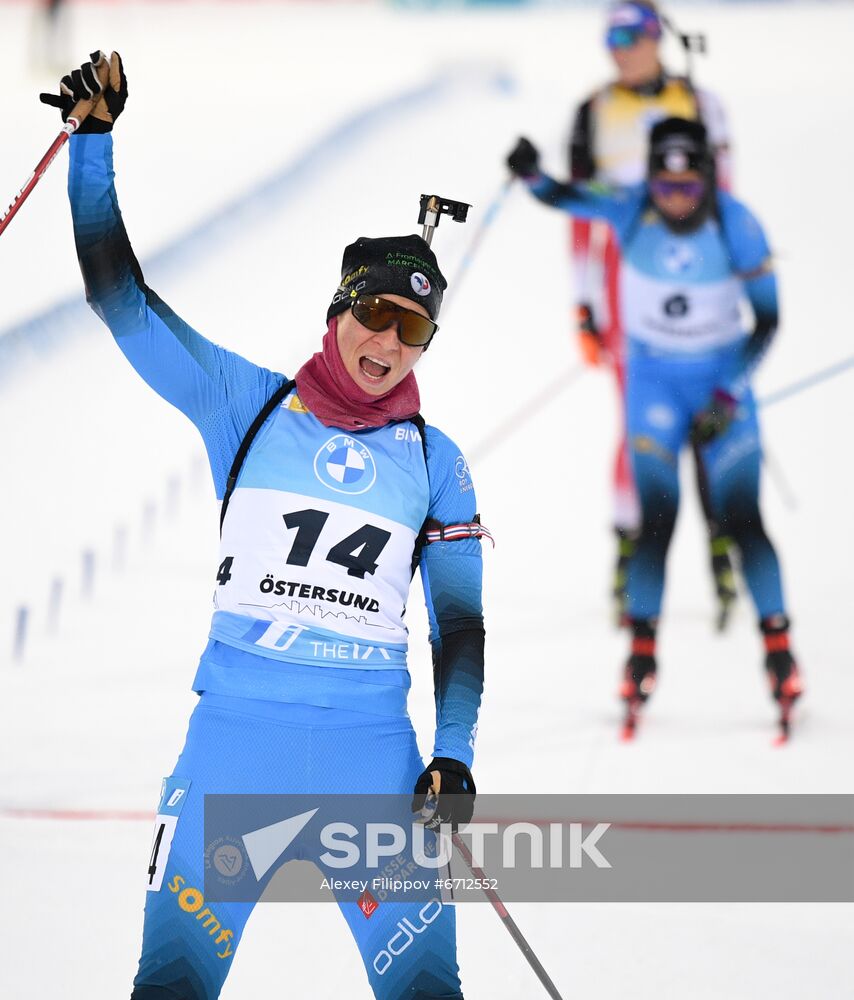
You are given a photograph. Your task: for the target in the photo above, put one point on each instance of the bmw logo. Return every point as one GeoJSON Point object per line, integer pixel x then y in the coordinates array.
{"type": "Point", "coordinates": [679, 258]}
{"type": "Point", "coordinates": [345, 465]}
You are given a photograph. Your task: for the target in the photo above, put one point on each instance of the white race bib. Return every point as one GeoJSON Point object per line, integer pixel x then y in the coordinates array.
{"type": "Point", "coordinates": [301, 561]}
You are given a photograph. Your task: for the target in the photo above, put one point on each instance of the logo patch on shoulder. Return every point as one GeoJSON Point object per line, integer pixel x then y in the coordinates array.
{"type": "Point", "coordinates": [293, 402]}
{"type": "Point", "coordinates": [463, 475]}
{"type": "Point", "coordinates": [345, 465]}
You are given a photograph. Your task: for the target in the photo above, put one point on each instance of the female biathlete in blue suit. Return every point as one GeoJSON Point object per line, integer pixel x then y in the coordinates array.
{"type": "Point", "coordinates": [303, 681]}
{"type": "Point", "coordinates": [690, 254]}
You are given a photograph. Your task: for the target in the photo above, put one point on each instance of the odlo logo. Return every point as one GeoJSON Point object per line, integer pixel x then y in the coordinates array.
{"type": "Point", "coordinates": [403, 938]}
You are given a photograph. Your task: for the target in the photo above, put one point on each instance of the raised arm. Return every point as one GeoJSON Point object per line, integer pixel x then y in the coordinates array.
{"type": "Point", "coordinates": [584, 200]}
{"type": "Point", "coordinates": [217, 389]}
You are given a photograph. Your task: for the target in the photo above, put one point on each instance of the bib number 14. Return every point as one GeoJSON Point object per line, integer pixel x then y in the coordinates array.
{"type": "Point", "coordinates": [358, 552]}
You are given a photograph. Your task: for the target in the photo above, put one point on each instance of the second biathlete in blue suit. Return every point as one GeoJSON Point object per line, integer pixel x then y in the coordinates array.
{"type": "Point", "coordinates": [691, 256]}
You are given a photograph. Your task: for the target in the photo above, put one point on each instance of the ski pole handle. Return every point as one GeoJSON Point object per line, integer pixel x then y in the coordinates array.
{"type": "Point", "coordinates": [82, 109]}
{"type": "Point", "coordinates": [78, 115]}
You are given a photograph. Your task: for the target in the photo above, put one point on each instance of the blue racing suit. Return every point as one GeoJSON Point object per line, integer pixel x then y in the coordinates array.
{"type": "Point", "coordinates": [303, 681]}
{"type": "Point", "coordinates": [682, 294]}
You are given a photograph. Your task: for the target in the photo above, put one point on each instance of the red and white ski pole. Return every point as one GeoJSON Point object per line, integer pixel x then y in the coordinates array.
{"type": "Point", "coordinates": [78, 114]}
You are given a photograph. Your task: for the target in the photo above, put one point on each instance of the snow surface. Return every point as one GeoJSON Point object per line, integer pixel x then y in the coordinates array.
{"type": "Point", "coordinates": [223, 95]}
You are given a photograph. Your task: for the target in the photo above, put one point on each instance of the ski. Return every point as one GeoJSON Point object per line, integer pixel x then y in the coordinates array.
{"type": "Point", "coordinates": [722, 618]}
{"type": "Point", "coordinates": [784, 722]}
{"type": "Point", "coordinates": [630, 720]}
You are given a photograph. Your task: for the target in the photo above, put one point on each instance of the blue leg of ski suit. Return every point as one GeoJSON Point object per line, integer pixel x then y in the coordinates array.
{"type": "Point", "coordinates": [663, 396]}
{"type": "Point", "coordinates": [241, 746]}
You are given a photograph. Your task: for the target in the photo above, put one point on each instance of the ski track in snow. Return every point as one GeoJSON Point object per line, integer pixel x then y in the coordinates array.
{"type": "Point", "coordinates": [95, 715]}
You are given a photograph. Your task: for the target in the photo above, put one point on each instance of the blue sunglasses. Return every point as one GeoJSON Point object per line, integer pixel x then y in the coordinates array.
{"type": "Point", "coordinates": [624, 37]}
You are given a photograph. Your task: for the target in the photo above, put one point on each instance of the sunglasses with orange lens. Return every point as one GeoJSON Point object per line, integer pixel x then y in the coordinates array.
{"type": "Point", "coordinates": [378, 314]}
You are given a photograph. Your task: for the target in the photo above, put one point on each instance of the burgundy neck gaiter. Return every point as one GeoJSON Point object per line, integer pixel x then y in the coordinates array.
{"type": "Point", "coordinates": [326, 388]}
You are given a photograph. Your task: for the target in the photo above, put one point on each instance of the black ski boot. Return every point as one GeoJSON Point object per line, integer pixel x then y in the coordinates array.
{"type": "Point", "coordinates": [639, 673]}
{"type": "Point", "coordinates": [781, 668]}
{"type": "Point", "coordinates": [783, 674]}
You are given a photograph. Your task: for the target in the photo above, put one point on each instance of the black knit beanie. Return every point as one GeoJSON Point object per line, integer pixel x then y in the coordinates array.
{"type": "Point", "coordinates": [395, 265]}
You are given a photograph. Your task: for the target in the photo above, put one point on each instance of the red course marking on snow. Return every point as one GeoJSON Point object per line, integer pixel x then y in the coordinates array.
{"type": "Point", "coordinates": [686, 826]}
{"type": "Point", "coordinates": [641, 825]}
{"type": "Point", "coordinates": [77, 814]}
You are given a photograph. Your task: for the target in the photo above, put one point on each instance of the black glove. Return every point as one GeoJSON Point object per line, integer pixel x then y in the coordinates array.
{"type": "Point", "coordinates": [524, 160]}
{"type": "Point", "coordinates": [83, 84]}
{"type": "Point", "coordinates": [715, 419]}
{"type": "Point", "coordinates": [454, 804]}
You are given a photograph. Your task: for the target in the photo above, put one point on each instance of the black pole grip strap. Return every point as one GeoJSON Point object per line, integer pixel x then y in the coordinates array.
{"type": "Point", "coordinates": [246, 444]}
